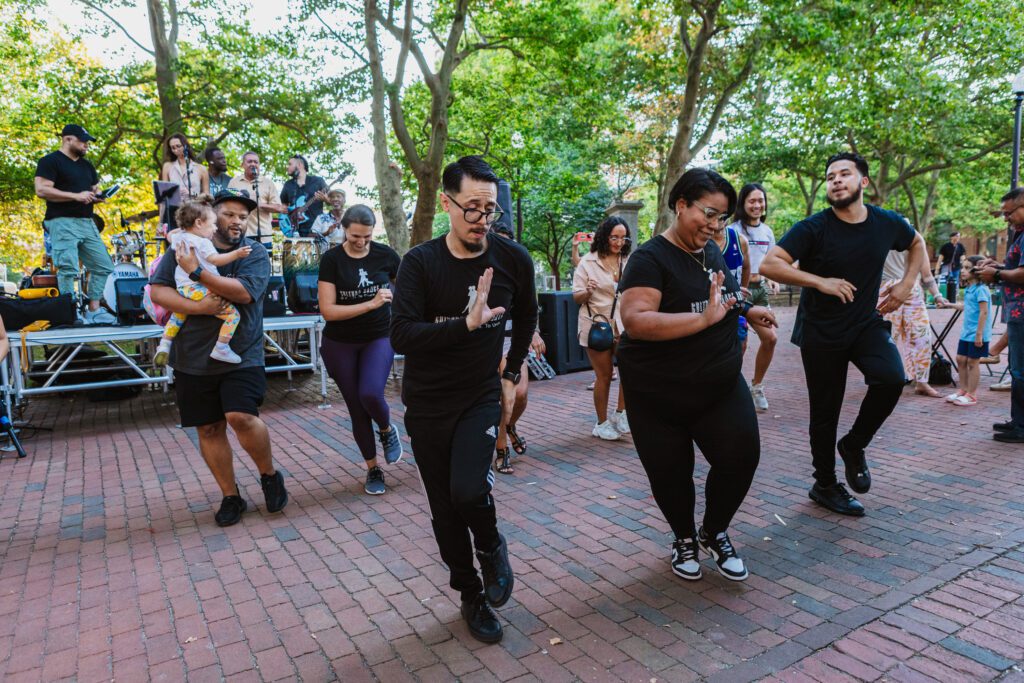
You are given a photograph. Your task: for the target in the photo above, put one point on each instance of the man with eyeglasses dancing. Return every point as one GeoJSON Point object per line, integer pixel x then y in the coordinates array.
{"type": "Point", "coordinates": [448, 317]}
{"type": "Point", "coordinates": [841, 251]}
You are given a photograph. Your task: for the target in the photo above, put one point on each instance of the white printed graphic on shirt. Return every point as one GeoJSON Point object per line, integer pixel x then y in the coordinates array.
{"type": "Point", "coordinates": [363, 280]}
{"type": "Point", "coordinates": [472, 299]}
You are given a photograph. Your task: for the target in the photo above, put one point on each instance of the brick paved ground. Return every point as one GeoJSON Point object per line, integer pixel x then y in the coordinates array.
{"type": "Point", "coordinates": [112, 567]}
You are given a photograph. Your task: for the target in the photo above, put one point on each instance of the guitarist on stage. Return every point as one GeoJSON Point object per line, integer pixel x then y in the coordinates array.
{"type": "Point", "coordinates": [303, 194]}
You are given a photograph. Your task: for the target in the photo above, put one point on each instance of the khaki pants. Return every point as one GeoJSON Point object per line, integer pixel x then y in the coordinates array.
{"type": "Point", "coordinates": [74, 240]}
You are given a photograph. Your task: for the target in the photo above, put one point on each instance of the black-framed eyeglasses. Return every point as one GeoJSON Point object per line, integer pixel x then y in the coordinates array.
{"type": "Point", "coordinates": [474, 215]}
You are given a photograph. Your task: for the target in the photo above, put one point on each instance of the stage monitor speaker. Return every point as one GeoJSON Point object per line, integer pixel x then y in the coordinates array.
{"type": "Point", "coordinates": [274, 298]}
{"type": "Point", "coordinates": [559, 329]}
{"type": "Point", "coordinates": [129, 292]}
{"type": "Point", "coordinates": [302, 293]}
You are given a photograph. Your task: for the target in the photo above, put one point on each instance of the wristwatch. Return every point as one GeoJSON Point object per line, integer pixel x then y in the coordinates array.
{"type": "Point", "coordinates": [513, 377]}
{"type": "Point", "coordinates": [196, 274]}
{"type": "Point", "coordinates": [998, 276]}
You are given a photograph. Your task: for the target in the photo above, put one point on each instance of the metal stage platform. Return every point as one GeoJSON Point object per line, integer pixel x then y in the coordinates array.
{"type": "Point", "coordinates": [129, 351]}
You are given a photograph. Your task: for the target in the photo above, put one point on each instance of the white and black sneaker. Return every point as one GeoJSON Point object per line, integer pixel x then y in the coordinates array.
{"type": "Point", "coordinates": [720, 548]}
{"type": "Point", "coordinates": [686, 559]}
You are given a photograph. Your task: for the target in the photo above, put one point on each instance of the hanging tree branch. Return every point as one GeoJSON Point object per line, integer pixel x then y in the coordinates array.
{"type": "Point", "coordinates": [118, 24]}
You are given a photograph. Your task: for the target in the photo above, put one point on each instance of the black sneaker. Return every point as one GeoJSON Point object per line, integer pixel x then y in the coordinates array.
{"type": "Point", "coordinates": [498, 578]}
{"type": "Point", "coordinates": [231, 509]}
{"type": "Point", "coordinates": [720, 548]}
{"type": "Point", "coordinates": [482, 621]}
{"type": "Point", "coordinates": [1003, 426]}
{"type": "Point", "coordinates": [1010, 436]}
{"type": "Point", "coordinates": [273, 491]}
{"type": "Point", "coordinates": [391, 442]}
{"type": "Point", "coordinates": [857, 474]}
{"type": "Point", "coordinates": [686, 559]}
{"type": "Point", "coordinates": [375, 482]}
{"type": "Point", "coordinates": [837, 499]}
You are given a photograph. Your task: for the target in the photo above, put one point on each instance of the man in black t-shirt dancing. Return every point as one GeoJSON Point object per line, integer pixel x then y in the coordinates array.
{"type": "Point", "coordinates": [448, 318]}
{"type": "Point", "coordinates": [841, 251]}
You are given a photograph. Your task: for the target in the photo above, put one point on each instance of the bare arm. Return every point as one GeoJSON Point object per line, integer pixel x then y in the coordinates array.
{"type": "Point", "coordinates": [204, 180]}
{"type": "Point", "coordinates": [218, 259]}
{"type": "Point", "coordinates": [778, 265]}
{"type": "Point", "coordinates": [898, 294]}
{"type": "Point", "coordinates": [745, 250]}
{"type": "Point", "coordinates": [979, 335]}
{"type": "Point", "coordinates": [327, 296]}
{"type": "Point", "coordinates": [642, 319]}
{"type": "Point", "coordinates": [575, 254]}
{"type": "Point", "coordinates": [5, 342]}
{"type": "Point", "coordinates": [46, 190]}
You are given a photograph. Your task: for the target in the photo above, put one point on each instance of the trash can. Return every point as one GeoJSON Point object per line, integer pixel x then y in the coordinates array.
{"type": "Point", "coordinates": [558, 316]}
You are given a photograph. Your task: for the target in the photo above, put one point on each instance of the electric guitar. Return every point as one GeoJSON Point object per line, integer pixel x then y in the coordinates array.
{"type": "Point", "coordinates": [289, 222]}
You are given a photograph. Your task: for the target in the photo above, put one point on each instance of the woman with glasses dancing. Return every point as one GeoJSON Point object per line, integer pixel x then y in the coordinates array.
{"type": "Point", "coordinates": [595, 289]}
{"type": "Point", "coordinates": [681, 362]}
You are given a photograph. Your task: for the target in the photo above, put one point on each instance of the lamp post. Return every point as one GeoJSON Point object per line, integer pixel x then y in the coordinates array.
{"type": "Point", "coordinates": [1018, 91]}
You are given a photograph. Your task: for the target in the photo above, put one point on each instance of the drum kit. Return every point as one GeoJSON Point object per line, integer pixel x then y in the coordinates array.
{"type": "Point", "coordinates": [130, 254]}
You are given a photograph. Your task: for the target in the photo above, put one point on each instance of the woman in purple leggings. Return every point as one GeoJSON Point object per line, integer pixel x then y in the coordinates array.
{"type": "Point", "coordinates": [355, 299]}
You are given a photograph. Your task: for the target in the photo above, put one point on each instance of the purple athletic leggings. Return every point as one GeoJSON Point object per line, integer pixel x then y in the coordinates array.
{"type": "Point", "coordinates": [361, 371]}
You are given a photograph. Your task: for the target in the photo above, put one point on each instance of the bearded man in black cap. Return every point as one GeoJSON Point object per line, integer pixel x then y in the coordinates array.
{"type": "Point", "coordinates": [70, 185]}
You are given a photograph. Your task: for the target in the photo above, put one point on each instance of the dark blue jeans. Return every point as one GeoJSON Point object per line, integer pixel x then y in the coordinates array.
{"type": "Point", "coordinates": [1016, 360]}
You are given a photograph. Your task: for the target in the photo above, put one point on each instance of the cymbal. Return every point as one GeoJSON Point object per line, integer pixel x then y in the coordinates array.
{"type": "Point", "coordinates": [142, 217]}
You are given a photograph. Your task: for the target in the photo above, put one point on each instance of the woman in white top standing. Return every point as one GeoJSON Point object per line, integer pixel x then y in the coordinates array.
{"type": "Point", "coordinates": [751, 208]}
{"type": "Point", "coordinates": [181, 166]}
{"type": "Point", "coordinates": [595, 289]}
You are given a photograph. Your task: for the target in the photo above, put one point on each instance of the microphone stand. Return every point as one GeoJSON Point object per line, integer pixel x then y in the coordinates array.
{"type": "Point", "coordinates": [256, 191]}
{"type": "Point", "coordinates": [188, 169]}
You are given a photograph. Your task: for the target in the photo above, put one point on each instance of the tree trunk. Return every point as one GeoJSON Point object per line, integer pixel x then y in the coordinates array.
{"type": "Point", "coordinates": [388, 175]}
{"type": "Point", "coordinates": [165, 56]}
{"type": "Point", "coordinates": [428, 182]}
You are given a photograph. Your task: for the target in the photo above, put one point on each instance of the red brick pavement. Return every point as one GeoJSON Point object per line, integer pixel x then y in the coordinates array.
{"type": "Point", "coordinates": [112, 567]}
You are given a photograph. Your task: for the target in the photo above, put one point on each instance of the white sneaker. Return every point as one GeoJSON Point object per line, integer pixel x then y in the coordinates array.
{"type": "Point", "coordinates": [1005, 385]}
{"type": "Point", "coordinates": [757, 393]}
{"type": "Point", "coordinates": [621, 423]}
{"type": "Point", "coordinates": [163, 352]}
{"type": "Point", "coordinates": [224, 354]}
{"type": "Point", "coordinates": [607, 431]}
{"type": "Point", "coordinates": [686, 559]}
{"type": "Point", "coordinates": [590, 387]}
{"type": "Point", "coordinates": [99, 317]}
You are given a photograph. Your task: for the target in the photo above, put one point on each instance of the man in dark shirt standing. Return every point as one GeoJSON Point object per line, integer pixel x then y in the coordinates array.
{"type": "Point", "coordinates": [841, 251]}
{"type": "Point", "coordinates": [448, 318]}
{"type": "Point", "coordinates": [212, 395]}
{"type": "Point", "coordinates": [1010, 274]}
{"type": "Point", "coordinates": [951, 255]}
{"type": "Point", "coordinates": [302, 194]}
{"type": "Point", "coordinates": [70, 185]}
{"type": "Point", "coordinates": [217, 165]}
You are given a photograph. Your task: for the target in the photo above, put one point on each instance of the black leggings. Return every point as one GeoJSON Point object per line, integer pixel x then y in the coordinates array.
{"type": "Point", "coordinates": [722, 423]}
{"type": "Point", "coordinates": [453, 454]}
{"type": "Point", "coordinates": [876, 356]}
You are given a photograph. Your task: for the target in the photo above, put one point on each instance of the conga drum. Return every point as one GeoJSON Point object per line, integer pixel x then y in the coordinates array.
{"type": "Point", "coordinates": [299, 255]}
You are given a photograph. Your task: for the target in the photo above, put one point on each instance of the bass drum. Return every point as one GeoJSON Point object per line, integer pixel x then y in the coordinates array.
{"type": "Point", "coordinates": [122, 271]}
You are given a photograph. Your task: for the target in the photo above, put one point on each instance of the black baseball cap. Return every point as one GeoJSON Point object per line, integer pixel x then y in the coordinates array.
{"type": "Point", "coordinates": [79, 132]}
{"type": "Point", "coordinates": [231, 194]}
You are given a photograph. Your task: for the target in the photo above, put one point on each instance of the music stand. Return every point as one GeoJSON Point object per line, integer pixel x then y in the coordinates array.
{"type": "Point", "coordinates": [168, 198]}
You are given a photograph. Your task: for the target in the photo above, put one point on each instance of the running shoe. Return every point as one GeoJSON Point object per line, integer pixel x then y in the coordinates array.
{"type": "Point", "coordinates": [274, 492]}
{"type": "Point", "coordinates": [231, 509]}
{"type": "Point", "coordinates": [375, 482]}
{"type": "Point", "coordinates": [224, 354]}
{"type": "Point", "coordinates": [391, 441]}
{"type": "Point", "coordinates": [607, 431]}
{"type": "Point", "coordinates": [621, 422]}
{"type": "Point", "coordinates": [760, 401]}
{"type": "Point", "coordinates": [1005, 385]}
{"type": "Point", "coordinates": [99, 317]}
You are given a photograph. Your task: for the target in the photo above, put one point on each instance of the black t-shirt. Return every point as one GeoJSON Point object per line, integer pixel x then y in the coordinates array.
{"type": "Point", "coordinates": [447, 367]}
{"type": "Point", "coordinates": [67, 176]}
{"type": "Point", "coordinates": [712, 356]}
{"type": "Point", "coordinates": [190, 352]}
{"type": "Point", "coordinates": [855, 252]}
{"type": "Point", "coordinates": [357, 280]}
{"type": "Point", "coordinates": [294, 196]}
{"type": "Point", "coordinates": [951, 255]}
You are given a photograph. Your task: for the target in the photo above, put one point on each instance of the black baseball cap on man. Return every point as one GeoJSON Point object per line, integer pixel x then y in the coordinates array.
{"type": "Point", "coordinates": [231, 194]}
{"type": "Point", "coordinates": [79, 132]}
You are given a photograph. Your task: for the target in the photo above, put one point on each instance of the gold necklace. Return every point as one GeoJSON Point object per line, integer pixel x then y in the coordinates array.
{"type": "Point", "coordinates": [703, 256]}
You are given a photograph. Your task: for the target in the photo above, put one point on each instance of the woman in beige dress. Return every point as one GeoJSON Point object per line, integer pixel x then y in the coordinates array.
{"type": "Point", "coordinates": [181, 166]}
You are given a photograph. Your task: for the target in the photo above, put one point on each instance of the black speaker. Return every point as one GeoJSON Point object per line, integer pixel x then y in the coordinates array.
{"type": "Point", "coordinates": [505, 204]}
{"type": "Point", "coordinates": [17, 313]}
{"type": "Point", "coordinates": [302, 293]}
{"type": "Point", "coordinates": [128, 291]}
{"type": "Point", "coordinates": [274, 298]}
{"type": "Point", "coordinates": [559, 330]}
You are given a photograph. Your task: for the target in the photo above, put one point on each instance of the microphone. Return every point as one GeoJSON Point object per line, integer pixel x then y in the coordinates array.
{"type": "Point", "coordinates": [7, 428]}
